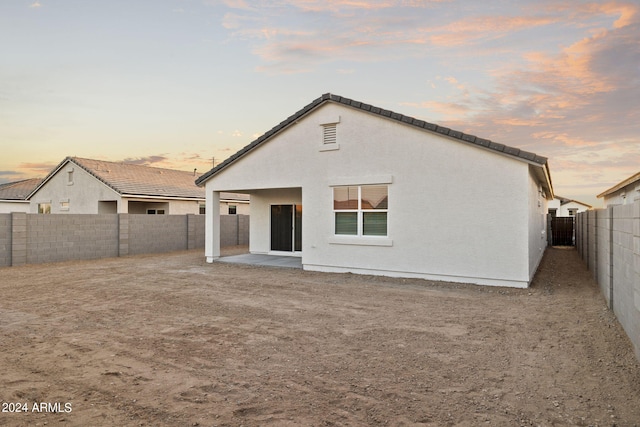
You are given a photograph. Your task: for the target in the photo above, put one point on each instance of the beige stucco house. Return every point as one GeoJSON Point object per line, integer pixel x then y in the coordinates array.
{"type": "Point", "coordinates": [350, 187]}
{"type": "Point", "coordinates": [89, 186]}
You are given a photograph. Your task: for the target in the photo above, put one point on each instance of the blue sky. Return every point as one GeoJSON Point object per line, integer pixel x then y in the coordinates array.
{"type": "Point", "coordinates": [176, 83]}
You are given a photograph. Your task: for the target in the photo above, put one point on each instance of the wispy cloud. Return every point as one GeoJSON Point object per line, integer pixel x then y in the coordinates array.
{"type": "Point", "coordinates": [35, 5]}
{"type": "Point", "coordinates": [37, 168]}
{"type": "Point", "coordinates": [146, 161]}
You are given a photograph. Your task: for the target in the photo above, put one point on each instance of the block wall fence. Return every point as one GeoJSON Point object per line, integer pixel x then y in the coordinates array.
{"type": "Point", "coordinates": [33, 239]}
{"type": "Point", "coordinates": [608, 240]}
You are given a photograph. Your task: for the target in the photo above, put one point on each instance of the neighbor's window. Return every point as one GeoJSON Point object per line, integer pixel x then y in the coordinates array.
{"type": "Point", "coordinates": [361, 210]}
{"type": "Point", "coordinates": [232, 209]}
{"type": "Point", "coordinates": [203, 209]}
{"type": "Point", "coordinates": [64, 205]}
{"type": "Point", "coordinates": [44, 208]}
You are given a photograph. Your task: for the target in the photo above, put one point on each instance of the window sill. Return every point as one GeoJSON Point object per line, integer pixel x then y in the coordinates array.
{"type": "Point", "coordinates": [329, 147]}
{"type": "Point", "coordinates": [361, 241]}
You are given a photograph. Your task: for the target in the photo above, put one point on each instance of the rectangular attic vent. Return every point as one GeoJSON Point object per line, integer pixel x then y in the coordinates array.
{"type": "Point", "coordinates": [329, 133]}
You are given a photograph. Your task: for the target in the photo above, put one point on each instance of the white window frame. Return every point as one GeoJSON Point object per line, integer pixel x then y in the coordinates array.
{"type": "Point", "coordinates": [360, 212]}
{"type": "Point", "coordinates": [360, 239]}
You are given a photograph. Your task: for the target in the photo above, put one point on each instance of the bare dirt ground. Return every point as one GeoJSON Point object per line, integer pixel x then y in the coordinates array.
{"type": "Point", "coordinates": [168, 340]}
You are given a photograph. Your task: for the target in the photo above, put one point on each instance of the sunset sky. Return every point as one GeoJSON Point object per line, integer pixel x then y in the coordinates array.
{"type": "Point", "coordinates": [177, 83]}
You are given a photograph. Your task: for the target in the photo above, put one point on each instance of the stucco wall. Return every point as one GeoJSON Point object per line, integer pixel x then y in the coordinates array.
{"type": "Point", "coordinates": [537, 224]}
{"type": "Point", "coordinates": [83, 195]}
{"type": "Point", "coordinates": [443, 219]}
{"type": "Point", "coordinates": [8, 207]}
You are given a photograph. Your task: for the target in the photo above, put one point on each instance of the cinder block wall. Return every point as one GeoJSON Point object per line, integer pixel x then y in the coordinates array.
{"type": "Point", "coordinates": [32, 238]}
{"type": "Point", "coordinates": [5, 240]}
{"type": "Point", "coordinates": [234, 230]}
{"type": "Point", "coordinates": [609, 242]}
{"type": "Point", "coordinates": [157, 233]}
{"type": "Point", "coordinates": [52, 238]}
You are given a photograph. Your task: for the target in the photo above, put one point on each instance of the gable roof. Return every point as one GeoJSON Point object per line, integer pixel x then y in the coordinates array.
{"type": "Point", "coordinates": [18, 190]}
{"type": "Point", "coordinates": [531, 158]}
{"type": "Point", "coordinates": [135, 180]}
{"type": "Point", "coordinates": [632, 179]}
{"type": "Point", "coordinates": [564, 201]}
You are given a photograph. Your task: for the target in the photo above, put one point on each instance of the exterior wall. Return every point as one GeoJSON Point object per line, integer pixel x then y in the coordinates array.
{"type": "Point", "coordinates": [83, 195]}
{"type": "Point", "coordinates": [427, 190]}
{"type": "Point", "coordinates": [537, 225]}
{"type": "Point", "coordinates": [7, 206]}
{"type": "Point", "coordinates": [608, 240]}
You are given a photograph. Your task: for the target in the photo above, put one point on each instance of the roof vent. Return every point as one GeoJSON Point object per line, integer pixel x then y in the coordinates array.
{"type": "Point", "coordinates": [329, 133]}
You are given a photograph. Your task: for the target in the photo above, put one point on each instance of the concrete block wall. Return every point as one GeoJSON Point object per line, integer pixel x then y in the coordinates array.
{"type": "Point", "coordinates": [32, 238]}
{"type": "Point", "coordinates": [157, 233]}
{"type": "Point", "coordinates": [52, 238]}
{"type": "Point", "coordinates": [609, 242]}
{"type": "Point", "coordinates": [5, 240]}
{"type": "Point", "coordinates": [234, 230]}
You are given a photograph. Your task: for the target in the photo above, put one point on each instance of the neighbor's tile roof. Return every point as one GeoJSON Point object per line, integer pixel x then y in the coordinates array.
{"type": "Point", "coordinates": [136, 180]}
{"type": "Point", "coordinates": [328, 97]}
{"type": "Point", "coordinates": [18, 190]}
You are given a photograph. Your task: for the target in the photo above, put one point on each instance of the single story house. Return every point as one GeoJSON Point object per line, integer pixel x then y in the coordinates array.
{"type": "Point", "coordinates": [625, 192]}
{"type": "Point", "coordinates": [350, 187]}
{"type": "Point", "coordinates": [563, 207]}
{"type": "Point", "coordinates": [13, 195]}
{"type": "Point", "coordinates": [89, 186]}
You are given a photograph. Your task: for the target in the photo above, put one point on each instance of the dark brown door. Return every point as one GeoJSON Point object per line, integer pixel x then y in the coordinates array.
{"type": "Point", "coordinates": [562, 232]}
{"type": "Point", "coordinates": [286, 228]}
{"type": "Point", "coordinates": [282, 228]}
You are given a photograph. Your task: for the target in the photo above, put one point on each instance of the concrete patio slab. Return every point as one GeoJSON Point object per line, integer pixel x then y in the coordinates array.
{"type": "Point", "coordinates": [262, 259]}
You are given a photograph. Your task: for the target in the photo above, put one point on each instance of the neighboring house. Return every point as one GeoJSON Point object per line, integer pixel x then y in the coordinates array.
{"type": "Point", "coordinates": [13, 195]}
{"type": "Point", "coordinates": [563, 207]}
{"type": "Point", "coordinates": [234, 204]}
{"type": "Point", "coordinates": [88, 186]}
{"type": "Point", "coordinates": [350, 187]}
{"type": "Point", "coordinates": [627, 191]}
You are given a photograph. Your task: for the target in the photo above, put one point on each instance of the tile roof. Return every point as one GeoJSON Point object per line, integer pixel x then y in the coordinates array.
{"type": "Point", "coordinates": [328, 97]}
{"type": "Point", "coordinates": [18, 190]}
{"type": "Point", "coordinates": [136, 180]}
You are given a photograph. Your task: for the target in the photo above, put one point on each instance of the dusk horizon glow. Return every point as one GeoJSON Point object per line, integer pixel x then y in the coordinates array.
{"type": "Point", "coordinates": [182, 83]}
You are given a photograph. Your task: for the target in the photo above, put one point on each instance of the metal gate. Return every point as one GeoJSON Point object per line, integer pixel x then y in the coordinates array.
{"type": "Point", "coordinates": [562, 231]}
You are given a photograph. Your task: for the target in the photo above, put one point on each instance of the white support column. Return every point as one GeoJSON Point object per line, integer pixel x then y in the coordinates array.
{"type": "Point", "coordinates": [212, 227]}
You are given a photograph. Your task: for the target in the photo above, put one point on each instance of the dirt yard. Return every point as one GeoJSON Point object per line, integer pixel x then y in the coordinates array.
{"type": "Point", "coordinates": [168, 340]}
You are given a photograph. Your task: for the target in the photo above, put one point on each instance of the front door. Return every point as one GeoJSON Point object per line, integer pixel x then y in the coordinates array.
{"type": "Point", "coordinates": [286, 228]}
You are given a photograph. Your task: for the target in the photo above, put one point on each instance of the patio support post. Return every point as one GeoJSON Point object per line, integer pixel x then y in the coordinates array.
{"type": "Point", "coordinates": [212, 235]}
